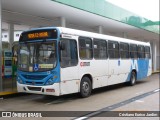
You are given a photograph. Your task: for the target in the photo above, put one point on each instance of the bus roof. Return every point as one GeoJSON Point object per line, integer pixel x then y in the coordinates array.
{"type": "Point", "coordinates": [75, 32]}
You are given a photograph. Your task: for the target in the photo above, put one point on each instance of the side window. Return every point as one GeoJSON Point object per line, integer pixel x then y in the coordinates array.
{"type": "Point", "coordinates": [141, 51]}
{"type": "Point", "coordinates": [147, 52]}
{"type": "Point", "coordinates": [100, 49]}
{"type": "Point", "coordinates": [133, 51]}
{"type": "Point", "coordinates": [69, 55]}
{"type": "Point", "coordinates": [85, 48]}
{"type": "Point", "coordinates": [124, 50]}
{"type": "Point", "coordinates": [113, 49]}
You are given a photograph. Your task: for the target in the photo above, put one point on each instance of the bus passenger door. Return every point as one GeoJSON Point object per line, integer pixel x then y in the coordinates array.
{"type": "Point", "coordinates": [69, 68]}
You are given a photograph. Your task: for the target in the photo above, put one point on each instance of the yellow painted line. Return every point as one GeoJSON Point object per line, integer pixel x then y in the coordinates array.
{"type": "Point", "coordinates": [7, 93]}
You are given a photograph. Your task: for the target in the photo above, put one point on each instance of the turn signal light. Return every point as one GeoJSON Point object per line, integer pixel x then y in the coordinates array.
{"type": "Point", "coordinates": [50, 90]}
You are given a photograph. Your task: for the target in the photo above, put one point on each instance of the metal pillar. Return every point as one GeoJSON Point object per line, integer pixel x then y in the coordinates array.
{"type": "Point", "coordinates": [63, 22]}
{"type": "Point", "coordinates": [124, 35]}
{"type": "Point", "coordinates": [1, 48]}
{"type": "Point", "coordinates": [11, 34]}
{"type": "Point", "coordinates": [100, 29]}
{"type": "Point", "coordinates": [154, 56]}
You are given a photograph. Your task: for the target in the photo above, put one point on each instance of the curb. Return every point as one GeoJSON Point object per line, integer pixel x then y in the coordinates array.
{"type": "Point", "coordinates": [155, 72]}
{"type": "Point", "coordinates": [7, 93]}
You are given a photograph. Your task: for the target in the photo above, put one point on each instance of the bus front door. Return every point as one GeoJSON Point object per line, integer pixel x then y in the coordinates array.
{"type": "Point", "coordinates": [69, 67]}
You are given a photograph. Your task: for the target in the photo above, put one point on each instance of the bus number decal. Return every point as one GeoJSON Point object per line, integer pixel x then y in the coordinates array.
{"type": "Point", "coordinates": [82, 64]}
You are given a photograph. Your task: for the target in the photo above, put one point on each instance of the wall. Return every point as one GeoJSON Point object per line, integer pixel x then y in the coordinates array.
{"type": "Point", "coordinates": [5, 36]}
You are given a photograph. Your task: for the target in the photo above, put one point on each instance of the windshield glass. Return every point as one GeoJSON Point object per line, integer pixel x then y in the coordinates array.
{"type": "Point", "coordinates": [37, 56]}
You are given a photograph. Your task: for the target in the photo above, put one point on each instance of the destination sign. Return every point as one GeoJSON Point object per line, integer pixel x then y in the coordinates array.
{"type": "Point", "coordinates": [39, 35]}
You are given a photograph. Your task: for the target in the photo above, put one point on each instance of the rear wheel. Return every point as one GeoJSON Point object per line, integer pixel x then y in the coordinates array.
{"type": "Point", "coordinates": [85, 87]}
{"type": "Point", "coordinates": [132, 79]}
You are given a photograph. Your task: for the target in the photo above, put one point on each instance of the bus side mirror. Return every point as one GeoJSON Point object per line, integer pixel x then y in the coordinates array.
{"type": "Point", "coordinates": [62, 45]}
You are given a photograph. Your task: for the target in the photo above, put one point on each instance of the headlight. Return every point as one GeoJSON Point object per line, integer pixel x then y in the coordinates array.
{"type": "Point", "coordinates": [49, 82]}
{"type": "Point", "coordinates": [20, 80]}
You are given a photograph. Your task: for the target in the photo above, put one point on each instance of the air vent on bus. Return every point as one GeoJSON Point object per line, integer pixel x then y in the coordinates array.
{"type": "Point", "coordinates": [34, 88]}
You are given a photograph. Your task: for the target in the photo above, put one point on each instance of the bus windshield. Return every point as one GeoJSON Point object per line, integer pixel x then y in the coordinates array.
{"type": "Point", "coordinates": [34, 57]}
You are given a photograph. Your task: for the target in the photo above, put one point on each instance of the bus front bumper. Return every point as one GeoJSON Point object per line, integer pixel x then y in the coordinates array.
{"type": "Point", "coordinates": [46, 90]}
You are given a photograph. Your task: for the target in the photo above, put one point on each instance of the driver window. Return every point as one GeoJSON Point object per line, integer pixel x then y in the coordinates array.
{"type": "Point", "coordinates": [47, 54]}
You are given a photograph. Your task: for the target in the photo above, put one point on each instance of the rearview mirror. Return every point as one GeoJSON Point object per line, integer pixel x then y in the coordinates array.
{"type": "Point", "coordinates": [62, 45]}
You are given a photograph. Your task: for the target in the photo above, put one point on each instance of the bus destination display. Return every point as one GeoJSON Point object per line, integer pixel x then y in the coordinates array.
{"type": "Point", "coordinates": [38, 35]}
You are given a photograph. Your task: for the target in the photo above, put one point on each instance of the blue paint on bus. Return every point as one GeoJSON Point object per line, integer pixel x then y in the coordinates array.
{"type": "Point", "coordinates": [41, 78]}
{"type": "Point", "coordinates": [143, 65]}
{"type": "Point", "coordinates": [141, 68]}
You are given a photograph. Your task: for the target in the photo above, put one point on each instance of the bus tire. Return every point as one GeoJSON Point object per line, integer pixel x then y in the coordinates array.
{"type": "Point", "coordinates": [85, 87]}
{"type": "Point", "coordinates": [132, 79]}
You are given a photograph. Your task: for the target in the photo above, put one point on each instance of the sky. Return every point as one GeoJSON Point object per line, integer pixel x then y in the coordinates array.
{"type": "Point", "coordinates": [145, 8]}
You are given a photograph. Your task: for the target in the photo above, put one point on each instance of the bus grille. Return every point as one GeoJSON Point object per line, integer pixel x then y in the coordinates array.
{"type": "Point", "coordinates": [34, 88]}
{"type": "Point", "coordinates": [34, 83]}
{"type": "Point", "coordinates": [34, 77]}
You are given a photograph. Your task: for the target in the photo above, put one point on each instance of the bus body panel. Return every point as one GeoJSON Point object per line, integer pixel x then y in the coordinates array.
{"type": "Point", "coordinates": [118, 71]}
{"type": "Point", "coordinates": [100, 74]}
{"type": "Point", "coordinates": [150, 68]}
{"type": "Point", "coordinates": [94, 68]}
{"type": "Point", "coordinates": [48, 90]}
{"type": "Point", "coordinates": [69, 80]}
{"type": "Point", "coordinates": [69, 86]}
{"type": "Point", "coordinates": [143, 68]}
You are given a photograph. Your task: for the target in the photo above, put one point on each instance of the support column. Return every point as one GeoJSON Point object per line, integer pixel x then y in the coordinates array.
{"type": "Point", "coordinates": [62, 22]}
{"type": "Point", "coordinates": [142, 39]}
{"type": "Point", "coordinates": [154, 56]}
{"type": "Point", "coordinates": [158, 56]}
{"type": "Point", "coordinates": [1, 87]}
{"type": "Point", "coordinates": [100, 29]}
{"type": "Point", "coordinates": [124, 35]}
{"type": "Point", "coordinates": [11, 34]}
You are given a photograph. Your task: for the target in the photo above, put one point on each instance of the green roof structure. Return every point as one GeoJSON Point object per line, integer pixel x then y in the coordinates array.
{"type": "Point", "coordinates": [108, 10]}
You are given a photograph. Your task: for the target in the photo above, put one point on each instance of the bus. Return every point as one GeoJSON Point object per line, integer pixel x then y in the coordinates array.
{"type": "Point", "coordinates": [58, 61]}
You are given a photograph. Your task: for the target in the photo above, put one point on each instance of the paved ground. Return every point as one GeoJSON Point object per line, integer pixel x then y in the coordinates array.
{"type": "Point", "coordinates": [145, 99]}
{"type": "Point", "coordinates": [142, 107]}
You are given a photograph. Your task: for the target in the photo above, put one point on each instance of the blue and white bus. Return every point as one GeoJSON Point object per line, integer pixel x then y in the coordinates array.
{"type": "Point", "coordinates": [58, 61]}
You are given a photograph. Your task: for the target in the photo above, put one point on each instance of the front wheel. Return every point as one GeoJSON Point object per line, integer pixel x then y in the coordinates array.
{"type": "Point", "coordinates": [85, 87]}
